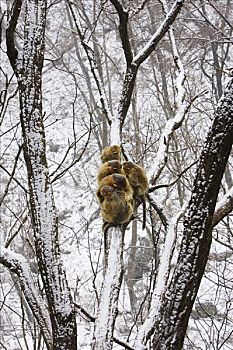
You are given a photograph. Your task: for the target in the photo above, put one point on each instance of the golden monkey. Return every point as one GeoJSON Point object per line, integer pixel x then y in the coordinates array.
{"type": "Point", "coordinates": [139, 182]}
{"type": "Point", "coordinates": [116, 207]}
{"type": "Point", "coordinates": [111, 153]}
{"type": "Point", "coordinates": [117, 181]}
{"type": "Point", "coordinates": [137, 178]}
{"type": "Point", "coordinates": [109, 168]}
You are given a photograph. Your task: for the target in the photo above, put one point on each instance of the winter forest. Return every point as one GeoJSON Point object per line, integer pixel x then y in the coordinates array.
{"type": "Point", "coordinates": [156, 78]}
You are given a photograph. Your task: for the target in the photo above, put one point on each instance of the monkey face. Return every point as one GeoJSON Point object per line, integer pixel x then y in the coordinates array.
{"type": "Point", "coordinates": [111, 153]}
{"type": "Point", "coordinates": [115, 165]}
{"type": "Point", "coordinates": [127, 166]}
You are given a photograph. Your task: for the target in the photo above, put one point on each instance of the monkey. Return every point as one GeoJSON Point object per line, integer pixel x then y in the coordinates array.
{"type": "Point", "coordinates": [139, 182]}
{"type": "Point", "coordinates": [117, 181]}
{"type": "Point", "coordinates": [111, 153]}
{"type": "Point", "coordinates": [116, 207]}
{"type": "Point", "coordinates": [137, 178]}
{"type": "Point", "coordinates": [109, 168]}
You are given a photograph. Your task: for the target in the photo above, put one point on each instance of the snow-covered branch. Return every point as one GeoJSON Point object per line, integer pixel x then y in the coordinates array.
{"type": "Point", "coordinates": [181, 108]}
{"type": "Point", "coordinates": [223, 207]}
{"type": "Point", "coordinates": [18, 265]}
{"type": "Point", "coordinates": [133, 64]}
{"type": "Point", "coordinates": [180, 295]}
{"type": "Point", "coordinates": [161, 282]}
{"type": "Point", "coordinates": [43, 214]}
{"type": "Point", "coordinates": [108, 305]}
{"type": "Point", "coordinates": [159, 34]}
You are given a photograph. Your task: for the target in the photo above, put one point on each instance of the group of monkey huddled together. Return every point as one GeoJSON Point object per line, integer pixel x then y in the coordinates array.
{"type": "Point", "coordinates": [121, 188]}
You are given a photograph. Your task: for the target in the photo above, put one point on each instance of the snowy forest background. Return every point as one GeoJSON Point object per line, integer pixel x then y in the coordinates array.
{"type": "Point", "coordinates": [172, 97]}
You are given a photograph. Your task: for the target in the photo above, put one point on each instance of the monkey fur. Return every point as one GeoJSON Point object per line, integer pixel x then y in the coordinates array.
{"type": "Point", "coordinates": [109, 168]}
{"type": "Point", "coordinates": [117, 181]}
{"type": "Point", "coordinates": [111, 153]}
{"type": "Point", "coordinates": [116, 207]}
{"type": "Point", "coordinates": [139, 182]}
{"type": "Point", "coordinates": [137, 178]}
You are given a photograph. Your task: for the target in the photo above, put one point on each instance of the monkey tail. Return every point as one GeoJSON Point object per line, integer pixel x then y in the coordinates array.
{"type": "Point", "coordinates": [144, 212]}
{"type": "Point", "coordinates": [105, 227]}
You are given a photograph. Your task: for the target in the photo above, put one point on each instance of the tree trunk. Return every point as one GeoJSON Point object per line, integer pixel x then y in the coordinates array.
{"type": "Point", "coordinates": [28, 69]}
{"type": "Point", "coordinates": [176, 308]}
{"type": "Point", "coordinates": [108, 305]}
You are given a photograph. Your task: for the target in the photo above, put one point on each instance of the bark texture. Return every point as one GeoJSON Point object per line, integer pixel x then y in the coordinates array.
{"type": "Point", "coordinates": [27, 66]}
{"type": "Point", "coordinates": [177, 303]}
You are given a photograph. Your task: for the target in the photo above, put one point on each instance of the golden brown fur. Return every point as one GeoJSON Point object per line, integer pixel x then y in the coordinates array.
{"type": "Point", "coordinates": [117, 181]}
{"type": "Point", "coordinates": [137, 178]}
{"type": "Point", "coordinates": [111, 153]}
{"type": "Point", "coordinates": [139, 182]}
{"type": "Point", "coordinates": [109, 168]}
{"type": "Point", "coordinates": [116, 207]}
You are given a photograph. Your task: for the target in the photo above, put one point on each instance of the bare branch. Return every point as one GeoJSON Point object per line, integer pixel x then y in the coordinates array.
{"type": "Point", "coordinates": [92, 319]}
{"type": "Point", "coordinates": [12, 175]}
{"type": "Point", "coordinates": [123, 30]}
{"type": "Point", "coordinates": [91, 59]}
{"type": "Point", "coordinates": [10, 32]}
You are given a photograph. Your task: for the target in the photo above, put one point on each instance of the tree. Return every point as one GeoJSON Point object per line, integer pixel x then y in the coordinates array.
{"type": "Point", "coordinates": [88, 66]}
{"type": "Point", "coordinates": [60, 330]}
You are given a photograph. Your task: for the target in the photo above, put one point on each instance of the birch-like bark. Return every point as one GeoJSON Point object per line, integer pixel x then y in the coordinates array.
{"type": "Point", "coordinates": [108, 305]}
{"type": "Point", "coordinates": [27, 66]}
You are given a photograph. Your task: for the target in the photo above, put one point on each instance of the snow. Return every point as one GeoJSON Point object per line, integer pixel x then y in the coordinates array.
{"type": "Point", "coordinates": [67, 119]}
{"type": "Point", "coordinates": [161, 280]}
{"type": "Point", "coordinates": [115, 131]}
{"type": "Point", "coordinates": [107, 308]}
{"type": "Point", "coordinates": [18, 264]}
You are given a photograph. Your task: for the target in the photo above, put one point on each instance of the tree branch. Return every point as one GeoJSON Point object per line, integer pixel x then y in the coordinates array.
{"type": "Point", "coordinates": [10, 33]}
{"type": "Point", "coordinates": [108, 305]}
{"type": "Point", "coordinates": [18, 265]}
{"type": "Point", "coordinates": [123, 30]}
{"type": "Point", "coordinates": [93, 319]}
{"type": "Point", "coordinates": [195, 246]}
{"type": "Point", "coordinates": [223, 207]}
{"type": "Point", "coordinates": [158, 35]}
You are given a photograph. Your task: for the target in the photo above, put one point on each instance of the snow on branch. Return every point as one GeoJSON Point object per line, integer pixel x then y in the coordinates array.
{"type": "Point", "coordinates": [171, 324]}
{"type": "Point", "coordinates": [158, 35]}
{"type": "Point", "coordinates": [181, 108]}
{"type": "Point", "coordinates": [223, 207]}
{"type": "Point", "coordinates": [134, 63]}
{"type": "Point", "coordinates": [18, 265]}
{"type": "Point", "coordinates": [161, 281]}
{"type": "Point", "coordinates": [107, 309]}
